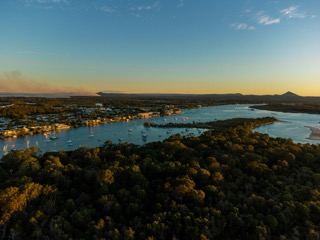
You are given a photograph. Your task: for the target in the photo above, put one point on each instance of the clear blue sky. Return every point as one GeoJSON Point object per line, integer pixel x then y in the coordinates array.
{"type": "Point", "coordinates": [174, 46]}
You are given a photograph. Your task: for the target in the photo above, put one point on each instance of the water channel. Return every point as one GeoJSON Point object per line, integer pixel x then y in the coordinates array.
{"type": "Point", "coordinates": [291, 125]}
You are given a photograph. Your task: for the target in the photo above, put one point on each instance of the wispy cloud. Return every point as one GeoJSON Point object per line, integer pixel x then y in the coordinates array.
{"type": "Point", "coordinates": [293, 12]}
{"type": "Point", "coordinates": [107, 9]}
{"type": "Point", "coordinates": [46, 1]}
{"type": "Point", "coordinates": [180, 3]}
{"type": "Point", "coordinates": [47, 4]}
{"type": "Point", "coordinates": [267, 20]}
{"type": "Point", "coordinates": [242, 26]}
{"type": "Point", "coordinates": [154, 6]}
{"type": "Point", "coordinates": [248, 10]}
{"type": "Point", "coordinates": [58, 1]}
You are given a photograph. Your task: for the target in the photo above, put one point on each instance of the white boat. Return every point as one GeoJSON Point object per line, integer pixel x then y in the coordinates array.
{"type": "Point", "coordinates": [53, 136]}
{"type": "Point", "coordinates": [91, 133]}
{"type": "Point", "coordinates": [5, 150]}
{"type": "Point", "coordinates": [315, 130]}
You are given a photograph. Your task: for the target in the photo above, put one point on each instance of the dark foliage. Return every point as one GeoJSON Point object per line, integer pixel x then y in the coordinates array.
{"type": "Point", "coordinates": [230, 183]}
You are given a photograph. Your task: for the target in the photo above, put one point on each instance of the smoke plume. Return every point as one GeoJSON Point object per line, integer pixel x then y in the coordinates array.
{"type": "Point", "coordinates": [16, 82]}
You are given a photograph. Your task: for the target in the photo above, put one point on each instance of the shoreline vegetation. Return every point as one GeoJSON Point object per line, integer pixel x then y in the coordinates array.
{"type": "Point", "coordinates": [20, 116]}
{"type": "Point", "coordinates": [228, 183]}
{"type": "Point", "coordinates": [219, 125]}
{"type": "Point", "coordinates": [290, 108]}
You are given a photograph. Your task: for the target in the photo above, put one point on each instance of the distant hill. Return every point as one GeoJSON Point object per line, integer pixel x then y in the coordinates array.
{"type": "Point", "coordinates": [290, 94]}
{"type": "Point", "coordinates": [286, 97]}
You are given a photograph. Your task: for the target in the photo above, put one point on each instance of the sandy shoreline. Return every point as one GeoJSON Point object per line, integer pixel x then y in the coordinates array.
{"type": "Point", "coordinates": [314, 136]}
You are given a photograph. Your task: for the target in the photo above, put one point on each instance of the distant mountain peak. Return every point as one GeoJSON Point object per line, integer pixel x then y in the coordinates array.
{"type": "Point", "coordinates": [290, 94]}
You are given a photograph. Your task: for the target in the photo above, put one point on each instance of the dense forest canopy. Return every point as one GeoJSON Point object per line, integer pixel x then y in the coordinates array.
{"type": "Point", "coordinates": [229, 183]}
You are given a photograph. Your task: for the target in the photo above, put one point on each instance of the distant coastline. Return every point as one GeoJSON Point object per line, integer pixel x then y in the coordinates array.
{"type": "Point", "coordinates": [286, 97]}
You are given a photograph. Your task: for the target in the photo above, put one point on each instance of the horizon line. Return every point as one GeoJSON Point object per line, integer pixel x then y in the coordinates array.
{"type": "Point", "coordinates": [70, 94]}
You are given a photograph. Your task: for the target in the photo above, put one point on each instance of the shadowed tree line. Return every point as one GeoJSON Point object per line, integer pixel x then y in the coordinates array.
{"type": "Point", "coordinates": [291, 108]}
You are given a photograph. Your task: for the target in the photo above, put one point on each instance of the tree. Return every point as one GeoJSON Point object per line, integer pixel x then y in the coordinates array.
{"type": "Point", "coordinates": [11, 201]}
{"type": "Point", "coordinates": [128, 233]}
{"type": "Point", "coordinates": [105, 177]}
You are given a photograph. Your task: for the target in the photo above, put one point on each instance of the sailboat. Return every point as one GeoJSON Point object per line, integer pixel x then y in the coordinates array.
{"type": "Point", "coordinates": [47, 140]}
{"type": "Point", "coordinates": [144, 137]}
{"type": "Point", "coordinates": [91, 133]}
{"type": "Point", "coordinates": [5, 150]}
{"type": "Point", "coordinates": [70, 143]}
{"type": "Point", "coordinates": [54, 136]}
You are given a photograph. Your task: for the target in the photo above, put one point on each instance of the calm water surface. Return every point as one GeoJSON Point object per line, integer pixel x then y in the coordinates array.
{"type": "Point", "coordinates": [292, 126]}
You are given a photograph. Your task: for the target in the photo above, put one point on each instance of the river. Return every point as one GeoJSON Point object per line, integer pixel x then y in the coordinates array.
{"type": "Point", "coordinates": [291, 125]}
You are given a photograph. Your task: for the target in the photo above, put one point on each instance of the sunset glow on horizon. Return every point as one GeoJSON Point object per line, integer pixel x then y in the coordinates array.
{"type": "Point", "coordinates": [143, 46]}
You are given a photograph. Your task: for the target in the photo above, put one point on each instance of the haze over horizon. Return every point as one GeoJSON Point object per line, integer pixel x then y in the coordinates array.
{"type": "Point", "coordinates": [145, 46]}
